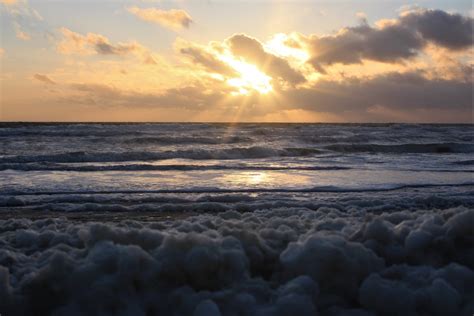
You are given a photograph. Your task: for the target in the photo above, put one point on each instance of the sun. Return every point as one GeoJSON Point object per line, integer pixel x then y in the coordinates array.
{"type": "Point", "coordinates": [250, 79]}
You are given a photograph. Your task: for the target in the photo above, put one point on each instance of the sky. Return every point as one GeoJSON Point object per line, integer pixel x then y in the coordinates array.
{"type": "Point", "coordinates": [236, 61]}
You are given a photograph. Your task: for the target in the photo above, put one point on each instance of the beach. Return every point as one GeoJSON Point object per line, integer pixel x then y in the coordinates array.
{"type": "Point", "coordinates": [236, 219]}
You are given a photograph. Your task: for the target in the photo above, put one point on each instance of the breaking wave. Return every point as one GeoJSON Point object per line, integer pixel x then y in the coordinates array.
{"type": "Point", "coordinates": [440, 148]}
{"type": "Point", "coordinates": [197, 154]}
{"type": "Point", "coordinates": [148, 167]}
{"type": "Point", "coordinates": [464, 162]}
{"type": "Point", "coordinates": [254, 152]}
{"type": "Point", "coordinates": [187, 140]}
{"type": "Point", "coordinates": [428, 198]}
{"type": "Point", "coordinates": [192, 190]}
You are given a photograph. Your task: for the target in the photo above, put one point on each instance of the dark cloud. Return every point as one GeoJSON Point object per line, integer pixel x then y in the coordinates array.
{"type": "Point", "coordinates": [396, 91]}
{"type": "Point", "coordinates": [394, 41]}
{"type": "Point", "coordinates": [354, 44]}
{"type": "Point", "coordinates": [43, 78]}
{"type": "Point", "coordinates": [252, 50]}
{"type": "Point", "coordinates": [452, 31]}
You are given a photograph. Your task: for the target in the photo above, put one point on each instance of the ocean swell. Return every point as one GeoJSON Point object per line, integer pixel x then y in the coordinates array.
{"type": "Point", "coordinates": [434, 148]}
{"type": "Point", "coordinates": [197, 154]}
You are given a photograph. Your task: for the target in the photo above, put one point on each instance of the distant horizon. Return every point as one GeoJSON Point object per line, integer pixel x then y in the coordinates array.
{"type": "Point", "coordinates": [223, 122]}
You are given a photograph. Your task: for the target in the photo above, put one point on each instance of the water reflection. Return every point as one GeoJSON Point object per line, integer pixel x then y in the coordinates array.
{"type": "Point", "coordinates": [267, 179]}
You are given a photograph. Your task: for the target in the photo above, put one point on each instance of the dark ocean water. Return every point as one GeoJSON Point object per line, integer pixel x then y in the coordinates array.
{"type": "Point", "coordinates": [264, 219]}
{"type": "Point", "coordinates": [110, 158]}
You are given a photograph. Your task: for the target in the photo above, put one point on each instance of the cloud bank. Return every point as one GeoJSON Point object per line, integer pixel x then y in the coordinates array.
{"type": "Point", "coordinates": [402, 96]}
{"type": "Point", "coordinates": [392, 41]}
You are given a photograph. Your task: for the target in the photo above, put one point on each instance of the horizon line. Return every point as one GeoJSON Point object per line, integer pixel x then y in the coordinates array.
{"type": "Point", "coordinates": [226, 122]}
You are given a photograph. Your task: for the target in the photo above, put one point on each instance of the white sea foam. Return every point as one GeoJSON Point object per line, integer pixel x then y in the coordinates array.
{"type": "Point", "coordinates": [279, 262]}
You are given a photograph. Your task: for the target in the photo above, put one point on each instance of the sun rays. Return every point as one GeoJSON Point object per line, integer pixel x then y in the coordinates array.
{"type": "Point", "coordinates": [251, 78]}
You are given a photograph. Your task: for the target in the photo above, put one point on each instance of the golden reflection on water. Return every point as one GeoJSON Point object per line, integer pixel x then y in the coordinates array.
{"type": "Point", "coordinates": [257, 177]}
{"type": "Point", "coordinates": [265, 179]}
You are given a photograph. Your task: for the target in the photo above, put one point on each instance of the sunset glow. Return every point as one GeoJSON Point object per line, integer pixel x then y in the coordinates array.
{"type": "Point", "coordinates": [278, 45]}
{"type": "Point", "coordinates": [193, 61]}
{"type": "Point", "coordinates": [251, 78]}
{"type": "Point", "coordinates": [236, 157]}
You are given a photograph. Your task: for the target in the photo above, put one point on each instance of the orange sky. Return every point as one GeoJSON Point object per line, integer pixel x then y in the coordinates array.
{"type": "Point", "coordinates": [402, 66]}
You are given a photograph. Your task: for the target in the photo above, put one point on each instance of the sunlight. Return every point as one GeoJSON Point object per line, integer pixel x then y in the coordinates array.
{"type": "Point", "coordinates": [277, 45]}
{"type": "Point", "coordinates": [251, 78]}
{"type": "Point", "coordinates": [256, 178]}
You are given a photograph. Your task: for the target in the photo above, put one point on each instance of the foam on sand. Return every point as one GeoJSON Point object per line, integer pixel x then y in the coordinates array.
{"type": "Point", "coordinates": [267, 262]}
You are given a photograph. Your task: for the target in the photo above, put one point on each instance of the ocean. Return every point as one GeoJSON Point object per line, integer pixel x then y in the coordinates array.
{"type": "Point", "coordinates": [236, 219]}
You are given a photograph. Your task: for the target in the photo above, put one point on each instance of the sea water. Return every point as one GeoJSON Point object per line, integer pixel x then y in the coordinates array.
{"type": "Point", "coordinates": [263, 219]}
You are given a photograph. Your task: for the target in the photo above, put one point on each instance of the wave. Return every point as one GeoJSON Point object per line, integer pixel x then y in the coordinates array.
{"type": "Point", "coordinates": [148, 167]}
{"type": "Point", "coordinates": [435, 170]}
{"type": "Point", "coordinates": [66, 133]}
{"type": "Point", "coordinates": [464, 162]}
{"type": "Point", "coordinates": [439, 148]}
{"type": "Point", "coordinates": [254, 152]}
{"type": "Point", "coordinates": [187, 140]}
{"type": "Point", "coordinates": [322, 189]}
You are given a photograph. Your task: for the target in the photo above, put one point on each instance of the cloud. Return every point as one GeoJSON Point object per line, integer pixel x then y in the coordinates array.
{"type": "Point", "coordinates": [252, 51]}
{"type": "Point", "coordinates": [25, 19]}
{"type": "Point", "coordinates": [91, 43]}
{"type": "Point", "coordinates": [401, 92]}
{"type": "Point", "coordinates": [172, 19]}
{"type": "Point", "coordinates": [406, 97]}
{"type": "Point", "coordinates": [450, 67]}
{"type": "Point", "coordinates": [392, 41]}
{"type": "Point", "coordinates": [2, 52]}
{"type": "Point", "coordinates": [191, 97]}
{"type": "Point", "coordinates": [44, 79]}
{"type": "Point", "coordinates": [207, 59]}
{"type": "Point", "coordinates": [449, 30]}
{"type": "Point", "coordinates": [233, 58]}
{"type": "Point", "coordinates": [23, 35]}
{"type": "Point", "coordinates": [435, 86]}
